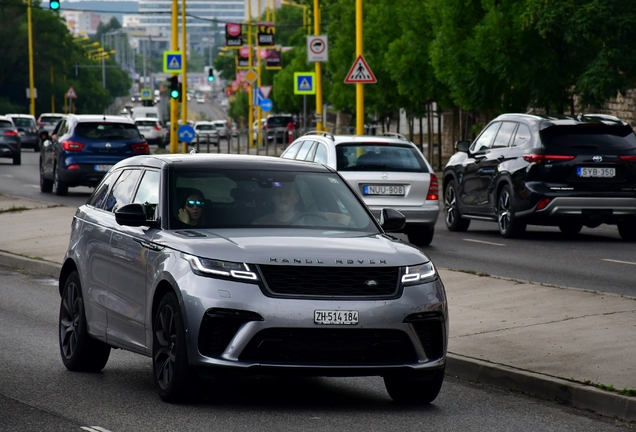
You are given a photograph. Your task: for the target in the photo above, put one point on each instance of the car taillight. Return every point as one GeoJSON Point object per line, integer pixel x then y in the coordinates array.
{"type": "Point", "coordinates": [72, 146]}
{"type": "Point", "coordinates": [73, 167]}
{"type": "Point", "coordinates": [140, 148]}
{"type": "Point", "coordinates": [628, 158]}
{"type": "Point", "coordinates": [543, 203]}
{"type": "Point", "coordinates": [11, 132]}
{"type": "Point", "coordinates": [433, 189]}
{"type": "Point", "coordinates": [538, 158]}
{"type": "Point", "coordinates": [157, 127]}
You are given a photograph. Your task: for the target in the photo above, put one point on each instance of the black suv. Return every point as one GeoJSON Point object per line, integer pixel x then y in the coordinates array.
{"type": "Point", "coordinates": [565, 171]}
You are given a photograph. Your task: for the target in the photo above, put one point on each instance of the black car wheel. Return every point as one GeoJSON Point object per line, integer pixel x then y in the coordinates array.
{"type": "Point", "coordinates": [452, 216]}
{"type": "Point", "coordinates": [45, 184]}
{"type": "Point", "coordinates": [17, 158]}
{"type": "Point", "coordinates": [509, 225]}
{"type": "Point", "coordinates": [80, 352]}
{"type": "Point", "coordinates": [627, 230]}
{"type": "Point", "coordinates": [60, 187]}
{"type": "Point", "coordinates": [175, 380]}
{"type": "Point", "coordinates": [420, 235]}
{"type": "Point", "coordinates": [414, 391]}
{"type": "Point", "coordinates": [570, 228]}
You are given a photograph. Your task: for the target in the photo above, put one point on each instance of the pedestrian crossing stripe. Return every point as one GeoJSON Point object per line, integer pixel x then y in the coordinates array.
{"type": "Point", "coordinates": [304, 85]}
{"type": "Point", "coordinates": [360, 73]}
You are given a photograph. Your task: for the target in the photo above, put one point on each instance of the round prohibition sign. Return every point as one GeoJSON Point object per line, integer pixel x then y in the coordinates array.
{"type": "Point", "coordinates": [317, 46]}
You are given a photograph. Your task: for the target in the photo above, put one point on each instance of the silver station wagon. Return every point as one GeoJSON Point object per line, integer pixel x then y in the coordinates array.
{"type": "Point", "coordinates": [217, 264]}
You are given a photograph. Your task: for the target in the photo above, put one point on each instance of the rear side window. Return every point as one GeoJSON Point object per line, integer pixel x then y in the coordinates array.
{"type": "Point", "coordinates": [305, 150]}
{"type": "Point", "coordinates": [385, 157]}
{"type": "Point", "coordinates": [503, 136]}
{"type": "Point", "coordinates": [6, 124]}
{"type": "Point", "coordinates": [522, 137]}
{"type": "Point", "coordinates": [290, 153]}
{"type": "Point", "coordinates": [50, 120]}
{"type": "Point", "coordinates": [107, 131]}
{"type": "Point", "coordinates": [146, 123]}
{"type": "Point", "coordinates": [206, 127]}
{"type": "Point", "coordinates": [589, 137]}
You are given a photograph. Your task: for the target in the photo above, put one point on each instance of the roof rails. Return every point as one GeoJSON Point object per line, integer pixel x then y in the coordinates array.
{"type": "Point", "coordinates": [395, 135]}
{"type": "Point", "coordinates": [323, 133]}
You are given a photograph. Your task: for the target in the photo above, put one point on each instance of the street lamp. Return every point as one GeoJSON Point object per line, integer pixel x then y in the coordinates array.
{"type": "Point", "coordinates": [305, 24]}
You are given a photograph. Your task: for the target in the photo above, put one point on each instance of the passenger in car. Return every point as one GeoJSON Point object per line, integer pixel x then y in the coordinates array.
{"type": "Point", "coordinates": [285, 196]}
{"type": "Point", "coordinates": [192, 207]}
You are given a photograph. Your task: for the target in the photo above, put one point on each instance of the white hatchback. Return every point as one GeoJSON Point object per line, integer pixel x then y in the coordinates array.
{"type": "Point", "coordinates": [205, 132]}
{"type": "Point", "coordinates": [151, 129]}
{"type": "Point", "coordinates": [386, 170]}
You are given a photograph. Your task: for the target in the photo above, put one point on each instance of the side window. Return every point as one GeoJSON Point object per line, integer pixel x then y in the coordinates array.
{"type": "Point", "coordinates": [485, 139]}
{"type": "Point", "coordinates": [59, 128]}
{"type": "Point", "coordinates": [98, 198]}
{"type": "Point", "coordinates": [290, 153]}
{"type": "Point", "coordinates": [522, 136]}
{"type": "Point", "coordinates": [321, 154]}
{"type": "Point", "coordinates": [123, 189]}
{"type": "Point", "coordinates": [304, 150]}
{"type": "Point", "coordinates": [148, 193]}
{"type": "Point", "coordinates": [502, 139]}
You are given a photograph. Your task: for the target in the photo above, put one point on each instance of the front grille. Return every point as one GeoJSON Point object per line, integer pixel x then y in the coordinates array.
{"type": "Point", "coordinates": [300, 281]}
{"type": "Point", "coordinates": [431, 335]}
{"type": "Point", "coordinates": [219, 326]}
{"type": "Point", "coordinates": [330, 347]}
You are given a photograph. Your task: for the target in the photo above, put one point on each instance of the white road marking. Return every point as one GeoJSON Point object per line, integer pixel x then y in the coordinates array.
{"type": "Point", "coordinates": [483, 242]}
{"type": "Point", "coordinates": [94, 429]}
{"type": "Point", "coordinates": [619, 262]}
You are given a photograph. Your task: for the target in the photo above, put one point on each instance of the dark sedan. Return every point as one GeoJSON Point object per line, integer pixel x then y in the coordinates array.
{"type": "Point", "coordinates": [10, 142]}
{"type": "Point", "coordinates": [27, 129]}
{"type": "Point", "coordinates": [83, 148]}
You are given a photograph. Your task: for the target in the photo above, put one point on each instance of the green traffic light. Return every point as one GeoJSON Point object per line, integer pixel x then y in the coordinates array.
{"type": "Point", "coordinates": [210, 78]}
{"type": "Point", "coordinates": [54, 4]}
{"type": "Point", "coordinates": [174, 94]}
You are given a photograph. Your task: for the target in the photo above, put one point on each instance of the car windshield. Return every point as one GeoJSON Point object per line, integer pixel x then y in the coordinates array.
{"type": "Point", "coordinates": [380, 156]}
{"type": "Point", "coordinates": [591, 137]}
{"type": "Point", "coordinates": [274, 122]}
{"type": "Point", "coordinates": [50, 119]}
{"type": "Point", "coordinates": [146, 123]}
{"type": "Point", "coordinates": [23, 122]}
{"type": "Point", "coordinates": [206, 127]}
{"type": "Point", "coordinates": [270, 199]}
{"type": "Point", "coordinates": [109, 131]}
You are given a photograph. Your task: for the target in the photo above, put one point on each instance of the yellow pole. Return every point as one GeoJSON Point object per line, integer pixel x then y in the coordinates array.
{"type": "Point", "coordinates": [259, 112]}
{"type": "Point", "coordinates": [184, 49]}
{"type": "Point", "coordinates": [31, 73]}
{"type": "Point", "coordinates": [174, 103]}
{"type": "Point", "coordinates": [359, 87]}
{"type": "Point", "coordinates": [52, 93]}
{"type": "Point", "coordinates": [250, 117]}
{"type": "Point", "coordinates": [318, 69]}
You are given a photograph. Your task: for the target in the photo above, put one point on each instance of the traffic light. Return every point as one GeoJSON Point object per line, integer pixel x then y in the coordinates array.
{"type": "Point", "coordinates": [175, 87]}
{"type": "Point", "coordinates": [54, 4]}
{"type": "Point", "coordinates": [210, 75]}
{"type": "Point", "coordinates": [180, 92]}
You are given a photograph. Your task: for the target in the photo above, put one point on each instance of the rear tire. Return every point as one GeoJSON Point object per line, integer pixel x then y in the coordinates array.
{"type": "Point", "coordinates": [627, 230]}
{"type": "Point", "coordinates": [45, 185]}
{"type": "Point", "coordinates": [420, 235]}
{"type": "Point", "coordinates": [571, 228]}
{"type": "Point", "coordinates": [61, 188]}
{"type": "Point", "coordinates": [452, 215]}
{"type": "Point", "coordinates": [509, 225]}
{"type": "Point", "coordinates": [17, 159]}
{"type": "Point", "coordinates": [409, 390]}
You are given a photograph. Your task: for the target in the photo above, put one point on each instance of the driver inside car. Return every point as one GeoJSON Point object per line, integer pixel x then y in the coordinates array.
{"type": "Point", "coordinates": [285, 196]}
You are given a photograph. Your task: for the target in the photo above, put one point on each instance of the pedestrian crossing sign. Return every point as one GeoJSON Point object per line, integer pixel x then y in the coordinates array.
{"type": "Point", "coordinates": [305, 83]}
{"type": "Point", "coordinates": [172, 62]}
{"type": "Point", "coordinates": [360, 73]}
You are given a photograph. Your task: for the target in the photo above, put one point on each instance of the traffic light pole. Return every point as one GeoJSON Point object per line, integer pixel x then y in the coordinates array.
{"type": "Point", "coordinates": [319, 113]}
{"type": "Point", "coordinates": [174, 103]}
{"type": "Point", "coordinates": [184, 91]}
{"type": "Point", "coordinates": [359, 87]}
{"type": "Point", "coordinates": [31, 73]}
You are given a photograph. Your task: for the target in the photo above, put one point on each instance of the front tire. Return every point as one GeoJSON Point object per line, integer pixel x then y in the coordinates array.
{"type": "Point", "coordinates": [627, 230]}
{"type": "Point", "coordinates": [174, 379]}
{"type": "Point", "coordinates": [509, 225]}
{"type": "Point", "coordinates": [45, 185]}
{"type": "Point", "coordinates": [420, 235]}
{"type": "Point", "coordinates": [17, 159]}
{"type": "Point", "coordinates": [570, 229]}
{"type": "Point", "coordinates": [80, 352]}
{"type": "Point", "coordinates": [61, 188]}
{"type": "Point", "coordinates": [407, 390]}
{"type": "Point", "coordinates": [452, 215]}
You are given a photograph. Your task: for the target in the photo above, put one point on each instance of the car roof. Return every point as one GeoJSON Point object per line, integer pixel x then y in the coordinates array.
{"type": "Point", "coordinates": [203, 122]}
{"type": "Point", "coordinates": [6, 118]}
{"type": "Point", "coordinates": [564, 119]}
{"type": "Point", "coordinates": [224, 161]}
{"type": "Point", "coordinates": [52, 115]}
{"type": "Point", "coordinates": [21, 115]}
{"type": "Point", "coordinates": [388, 137]}
{"type": "Point", "coordinates": [82, 118]}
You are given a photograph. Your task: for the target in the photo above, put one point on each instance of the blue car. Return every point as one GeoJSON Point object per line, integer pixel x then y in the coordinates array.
{"type": "Point", "coordinates": [82, 148]}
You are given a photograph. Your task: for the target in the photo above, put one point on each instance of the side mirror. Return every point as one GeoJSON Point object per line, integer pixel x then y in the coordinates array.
{"type": "Point", "coordinates": [392, 220]}
{"type": "Point", "coordinates": [132, 215]}
{"type": "Point", "coordinates": [462, 146]}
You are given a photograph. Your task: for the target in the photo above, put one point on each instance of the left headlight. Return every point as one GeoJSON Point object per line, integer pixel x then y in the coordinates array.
{"type": "Point", "coordinates": [418, 274]}
{"type": "Point", "coordinates": [223, 269]}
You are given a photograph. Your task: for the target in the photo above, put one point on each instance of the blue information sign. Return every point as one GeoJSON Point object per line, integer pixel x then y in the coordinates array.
{"type": "Point", "coordinates": [186, 133]}
{"type": "Point", "coordinates": [267, 105]}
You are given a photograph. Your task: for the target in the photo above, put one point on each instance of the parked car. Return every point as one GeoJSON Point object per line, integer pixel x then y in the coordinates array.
{"type": "Point", "coordinates": [83, 148]}
{"type": "Point", "coordinates": [205, 132]}
{"type": "Point", "coordinates": [200, 278]}
{"type": "Point", "coordinates": [48, 121]}
{"type": "Point", "coordinates": [151, 129]}
{"type": "Point", "coordinates": [565, 171]}
{"type": "Point", "coordinates": [387, 171]}
{"type": "Point", "coordinates": [222, 127]}
{"type": "Point", "coordinates": [10, 142]}
{"type": "Point", "coordinates": [27, 129]}
{"type": "Point", "coordinates": [276, 126]}
{"type": "Point", "coordinates": [200, 99]}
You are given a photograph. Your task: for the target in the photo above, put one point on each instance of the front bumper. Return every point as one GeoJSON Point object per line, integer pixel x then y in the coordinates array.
{"type": "Point", "coordinates": [234, 325]}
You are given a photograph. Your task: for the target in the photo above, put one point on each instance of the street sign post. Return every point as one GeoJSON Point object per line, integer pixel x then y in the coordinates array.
{"type": "Point", "coordinates": [186, 133]}
{"type": "Point", "coordinates": [305, 83]}
{"type": "Point", "coordinates": [317, 49]}
{"type": "Point", "coordinates": [172, 62]}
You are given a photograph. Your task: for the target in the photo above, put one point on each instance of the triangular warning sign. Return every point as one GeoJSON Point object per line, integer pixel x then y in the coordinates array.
{"type": "Point", "coordinates": [70, 94]}
{"type": "Point", "coordinates": [265, 91]}
{"type": "Point", "coordinates": [360, 73]}
{"type": "Point", "coordinates": [174, 63]}
{"type": "Point", "coordinates": [304, 85]}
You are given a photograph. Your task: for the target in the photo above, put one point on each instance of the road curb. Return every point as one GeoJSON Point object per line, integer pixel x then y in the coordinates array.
{"type": "Point", "coordinates": [33, 265]}
{"type": "Point", "coordinates": [544, 386]}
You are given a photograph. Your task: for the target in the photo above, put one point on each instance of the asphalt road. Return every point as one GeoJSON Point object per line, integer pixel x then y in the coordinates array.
{"type": "Point", "coordinates": [38, 393]}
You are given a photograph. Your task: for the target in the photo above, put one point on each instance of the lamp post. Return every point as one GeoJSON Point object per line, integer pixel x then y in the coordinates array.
{"type": "Point", "coordinates": [31, 72]}
{"type": "Point", "coordinates": [184, 91]}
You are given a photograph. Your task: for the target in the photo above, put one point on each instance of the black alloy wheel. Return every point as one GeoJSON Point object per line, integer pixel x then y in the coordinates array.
{"type": "Point", "coordinates": [509, 225]}
{"type": "Point", "coordinates": [80, 352]}
{"type": "Point", "coordinates": [409, 390]}
{"type": "Point", "coordinates": [61, 188]}
{"type": "Point", "coordinates": [452, 217]}
{"type": "Point", "coordinates": [174, 379]}
{"type": "Point", "coordinates": [45, 184]}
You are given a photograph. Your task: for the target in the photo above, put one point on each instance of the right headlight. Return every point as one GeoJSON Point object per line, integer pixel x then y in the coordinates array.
{"type": "Point", "coordinates": [418, 274]}
{"type": "Point", "coordinates": [223, 269]}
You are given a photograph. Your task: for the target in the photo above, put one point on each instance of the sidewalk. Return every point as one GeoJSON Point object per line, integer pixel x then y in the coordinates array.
{"type": "Point", "coordinates": [541, 340]}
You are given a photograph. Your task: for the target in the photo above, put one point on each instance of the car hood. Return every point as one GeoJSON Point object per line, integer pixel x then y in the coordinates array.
{"type": "Point", "coordinates": [293, 247]}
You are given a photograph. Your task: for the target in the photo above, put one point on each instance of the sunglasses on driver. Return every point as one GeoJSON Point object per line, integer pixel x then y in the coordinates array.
{"type": "Point", "coordinates": [193, 203]}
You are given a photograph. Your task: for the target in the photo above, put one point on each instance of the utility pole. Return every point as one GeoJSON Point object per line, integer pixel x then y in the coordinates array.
{"type": "Point", "coordinates": [174, 103]}
{"type": "Point", "coordinates": [31, 72]}
{"type": "Point", "coordinates": [319, 113]}
{"type": "Point", "coordinates": [250, 87]}
{"type": "Point", "coordinates": [184, 66]}
{"type": "Point", "coordinates": [359, 86]}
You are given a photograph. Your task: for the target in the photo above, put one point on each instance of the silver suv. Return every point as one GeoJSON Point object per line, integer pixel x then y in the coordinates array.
{"type": "Point", "coordinates": [211, 263]}
{"type": "Point", "coordinates": [386, 170]}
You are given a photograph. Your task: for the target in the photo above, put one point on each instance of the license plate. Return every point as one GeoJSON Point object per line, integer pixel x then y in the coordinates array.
{"type": "Point", "coordinates": [383, 190]}
{"type": "Point", "coordinates": [596, 172]}
{"type": "Point", "coordinates": [333, 317]}
{"type": "Point", "coordinates": [103, 167]}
